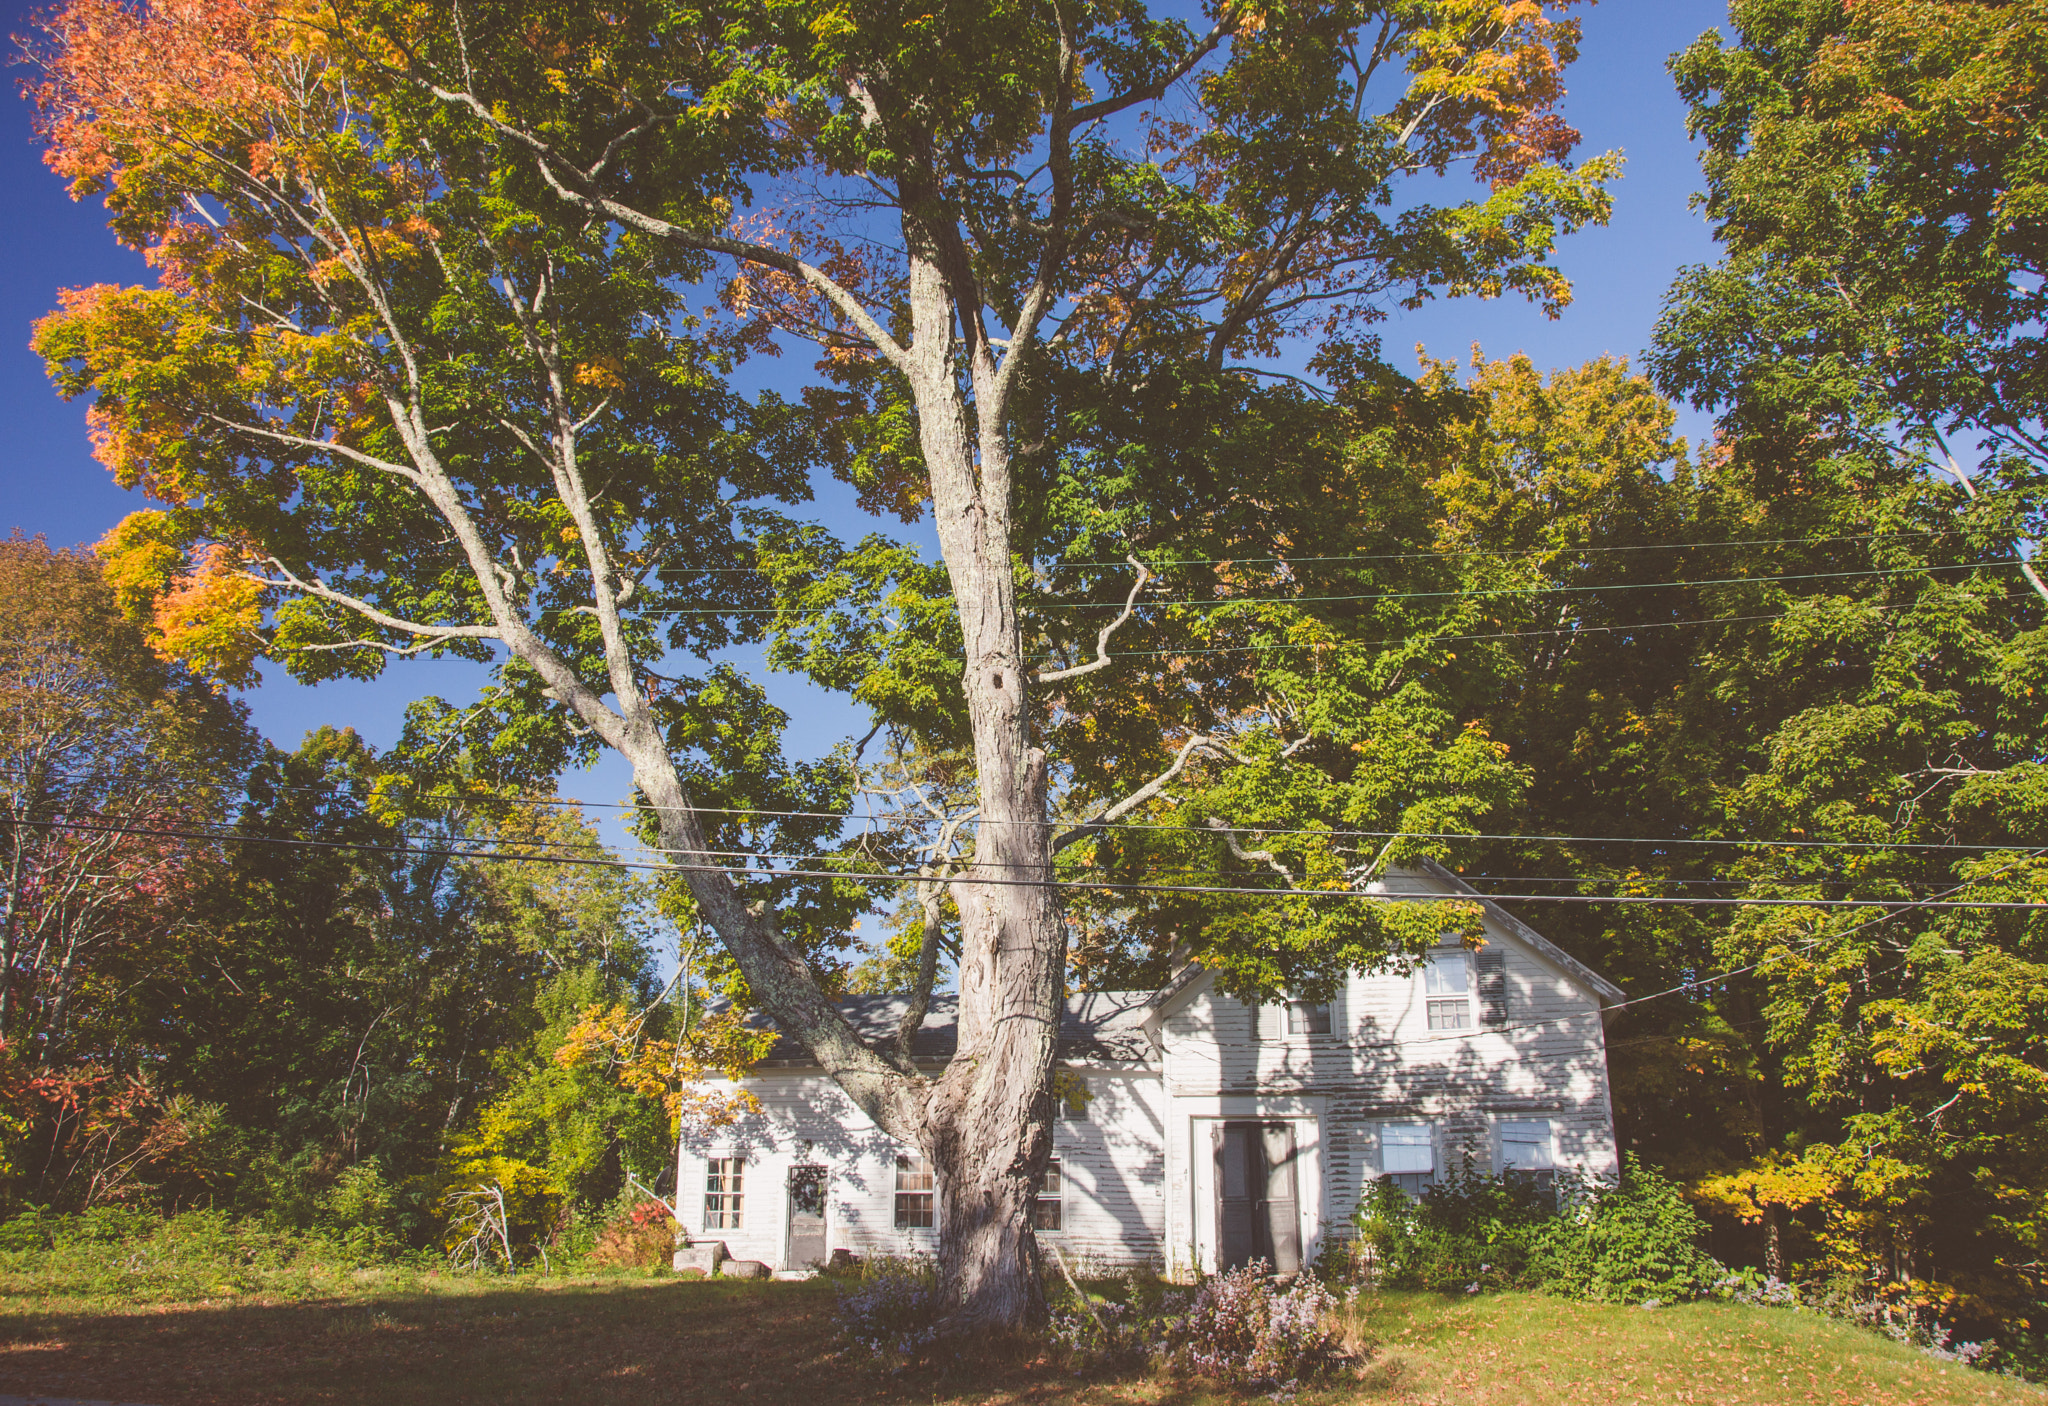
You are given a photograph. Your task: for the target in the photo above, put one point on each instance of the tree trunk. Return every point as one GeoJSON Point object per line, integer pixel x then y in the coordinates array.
{"type": "Point", "coordinates": [987, 1127]}
{"type": "Point", "coordinates": [1774, 1241]}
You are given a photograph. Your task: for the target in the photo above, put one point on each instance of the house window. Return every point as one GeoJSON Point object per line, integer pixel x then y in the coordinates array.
{"type": "Point", "coordinates": [913, 1193]}
{"type": "Point", "coordinates": [722, 1192]}
{"type": "Point", "coordinates": [1308, 1017]}
{"type": "Point", "coordinates": [1525, 1147]}
{"type": "Point", "coordinates": [1046, 1210]}
{"type": "Point", "coordinates": [1448, 990]}
{"type": "Point", "coordinates": [1408, 1155]}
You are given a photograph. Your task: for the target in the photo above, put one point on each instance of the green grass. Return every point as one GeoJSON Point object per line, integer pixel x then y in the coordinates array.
{"type": "Point", "coordinates": [1533, 1350]}
{"type": "Point", "coordinates": [443, 1340]}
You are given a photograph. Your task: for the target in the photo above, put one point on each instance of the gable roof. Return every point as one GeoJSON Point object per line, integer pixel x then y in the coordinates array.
{"type": "Point", "coordinates": [1606, 990]}
{"type": "Point", "coordinates": [1193, 976]}
{"type": "Point", "coordinates": [1105, 1026]}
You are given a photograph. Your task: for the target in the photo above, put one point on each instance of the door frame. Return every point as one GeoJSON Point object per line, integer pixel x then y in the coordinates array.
{"type": "Point", "coordinates": [789, 1212]}
{"type": "Point", "coordinates": [1191, 1244]}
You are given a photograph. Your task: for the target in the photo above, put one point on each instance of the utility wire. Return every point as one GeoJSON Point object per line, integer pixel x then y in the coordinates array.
{"type": "Point", "coordinates": [1255, 831]}
{"type": "Point", "coordinates": [1575, 630]}
{"type": "Point", "coordinates": [857, 876]}
{"type": "Point", "coordinates": [1482, 593]}
{"type": "Point", "coordinates": [1425, 556]}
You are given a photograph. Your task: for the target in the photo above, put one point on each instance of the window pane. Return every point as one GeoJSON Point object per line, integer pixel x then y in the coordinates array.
{"type": "Point", "coordinates": [1445, 975]}
{"type": "Point", "coordinates": [1525, 1146]}
{"type": "Point", "coordinates": [722, 1192]}
{"type": "Point", "coordinates": [1308, 1017]}
{"type": "Point", "coordinates": [1406, 1148]}
{"type": "Point", "coordinates": [1045, 1211]}
{"type": "Point", "coordinates": [913, 1193]}
{"type": "Point", "coordinates": [1450, 1013]}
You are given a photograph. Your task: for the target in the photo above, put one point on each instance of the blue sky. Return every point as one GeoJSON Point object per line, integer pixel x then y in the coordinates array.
{"type": "Point", "coordinates": [1620, 97]}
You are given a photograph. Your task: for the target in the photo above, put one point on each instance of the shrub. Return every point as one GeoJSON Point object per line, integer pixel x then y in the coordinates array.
{"type": "Point", "coordinates": [1629, 1243]}
{"type": "Point", "coordinates": [1467, 1232]}
{"type": "Point", "coordinates": [892, 1308]}
{"type": "Point", "coordinates": [1120, 1324]}
{"type": "Point", "coordinates": [1241, 1329]}
{"type": "Point", "coordinates": [361, 1211]}
{"type": "Point", "coordinates": [1633, 1243]}
{"type": "Point", "coordinates": [642, 1238]}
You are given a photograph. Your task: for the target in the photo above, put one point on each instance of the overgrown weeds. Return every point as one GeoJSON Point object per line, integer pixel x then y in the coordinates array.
{"type": "Point", "coordinates": [125, 1255]}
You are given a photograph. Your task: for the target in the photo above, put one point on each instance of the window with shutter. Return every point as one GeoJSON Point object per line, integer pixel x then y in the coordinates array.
{"type": "Point", "coordinates": [1408, 1155]}
{"type": "Point", "coordinates": [1448, 991]}
{"type": "Point", "coordinates": [1493, 988]}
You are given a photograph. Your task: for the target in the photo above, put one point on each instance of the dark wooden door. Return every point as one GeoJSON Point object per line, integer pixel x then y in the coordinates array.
{"type": "Point", "coordinates": [1258, 1206]}
{"type": "Point", "coordinates": [806, 1217]}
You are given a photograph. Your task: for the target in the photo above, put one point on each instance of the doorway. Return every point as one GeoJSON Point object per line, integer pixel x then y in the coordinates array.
{"type": "Point", "coordinates": [1258, 1205]}
{"type": "Point", "coordinates": [806, 1240]}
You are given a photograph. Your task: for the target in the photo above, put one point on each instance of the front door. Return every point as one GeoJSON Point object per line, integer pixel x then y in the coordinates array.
{"type": "Point", "coordinates": [806, 1218]}
{"type": "Point", "coordinates": [1258, 1210]}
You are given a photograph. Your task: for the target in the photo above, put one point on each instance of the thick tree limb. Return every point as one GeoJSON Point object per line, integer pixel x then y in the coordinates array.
{"type": "Point", "coordinates": [1956, 471]}
{"type": "Point", "coordinates": [580, 190]}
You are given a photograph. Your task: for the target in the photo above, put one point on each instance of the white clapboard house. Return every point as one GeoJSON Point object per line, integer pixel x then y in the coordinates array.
{"type": "Point", "coordinates": [1197, 1130]}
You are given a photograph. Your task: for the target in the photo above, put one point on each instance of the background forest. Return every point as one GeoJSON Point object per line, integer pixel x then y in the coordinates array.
{"type": "Point", "coordinates": [1718, 703]}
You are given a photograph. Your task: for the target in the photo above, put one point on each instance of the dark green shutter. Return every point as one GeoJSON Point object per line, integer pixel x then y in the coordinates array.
{"type": "Point", "coordinates": [1493, 988]}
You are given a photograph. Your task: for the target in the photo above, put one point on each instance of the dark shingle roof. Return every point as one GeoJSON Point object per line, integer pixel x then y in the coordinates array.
{"type": "Point", "coordinates": [1097, 1025]}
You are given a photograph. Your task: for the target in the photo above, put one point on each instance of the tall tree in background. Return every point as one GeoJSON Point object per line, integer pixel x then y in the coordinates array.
{"type": "Point", "coordinates": [109, 757]}
{"type": "Point", "coordinates": [422, 366]}
{"type": "Point", "coordinates": [1875, 173]}
{"type": "Point", "coordinates": [1872, 342]}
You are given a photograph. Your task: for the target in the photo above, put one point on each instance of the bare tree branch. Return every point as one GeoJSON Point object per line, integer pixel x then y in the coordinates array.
{"type": "Point", "coordinates": [1265, 856]}
{"type": "Point", "coordinates": [1109, 815]}
{"type": "Point", "coordinates": [370, 612]}
{"type": "Point", "coordinates": [1102, 659]}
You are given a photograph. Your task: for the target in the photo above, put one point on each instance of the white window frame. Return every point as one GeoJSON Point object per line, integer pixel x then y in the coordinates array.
{"type": "Point", "coordinates": [1054, 1177]}
{"type": "Point", "coordinates": [1301, 1017]}
{"type": "Point", "coordinates": [1411, 1179]}
{"type": "Point", "coordinates": [1441, 1007]}
{"type": "Point", "coordinates": [1537, 1133]}
{"type": "Point", "coordinates": [725, 1191]}
{"type": "Point", "coordinates": [924, 1184]}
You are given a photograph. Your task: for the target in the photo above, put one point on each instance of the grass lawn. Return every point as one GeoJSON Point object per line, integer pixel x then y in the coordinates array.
{"type": "Point", "coordinates": [439, 1340]}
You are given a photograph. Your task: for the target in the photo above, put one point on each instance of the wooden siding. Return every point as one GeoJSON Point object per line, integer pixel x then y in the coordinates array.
{"type": "Point", "coordinates": [1382, 1063]}
{"type": "Point", "coordinates": [1137, 1164]}
{"type": "Point", "coordinates": [1112, 1160]}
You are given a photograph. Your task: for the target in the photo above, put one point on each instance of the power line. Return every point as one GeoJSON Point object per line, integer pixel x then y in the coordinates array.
{"type": "Point", "coordinates": [1807, 946]}
{"type": "Point", "coordinates": [1483, 593]}
{"type": "Point", "coordinates": [857, 876]}
{"type": "Point", "coordinates": [1435, 555]}
{"type": "Point", "coordinates": [1574, 630]}
{"type": "Point", "coordinates": [1256, 831]}
{"type": "Point", "coordinates": [1540, 551]}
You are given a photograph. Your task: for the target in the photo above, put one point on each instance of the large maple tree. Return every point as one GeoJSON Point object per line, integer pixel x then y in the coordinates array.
{"type": "Point", "coordinates": [428, 368]}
